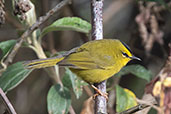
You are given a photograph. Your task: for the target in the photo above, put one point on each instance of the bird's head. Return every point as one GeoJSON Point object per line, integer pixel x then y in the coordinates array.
{"type": "Point", "coordinates": [126, 53]}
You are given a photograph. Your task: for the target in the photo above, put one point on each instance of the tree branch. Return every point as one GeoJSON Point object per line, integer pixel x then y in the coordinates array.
{"type": "Point", "coordinates": [97, 34]}
{"type": "Point", "coordinates": [134, 109]}
{"type": "Point", "coordinates": [96, 19]}
{"type": "Point", "coordinates": [32, 28]}
{"type": "Point", "coordinates": [7, 103]}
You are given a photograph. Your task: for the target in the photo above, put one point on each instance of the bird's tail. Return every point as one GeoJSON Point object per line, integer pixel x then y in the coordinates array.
{"type": "Point", "coordinates": [42, 63]}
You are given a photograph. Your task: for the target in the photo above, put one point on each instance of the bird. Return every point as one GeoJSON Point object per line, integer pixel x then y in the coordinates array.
{"type": "Point", "coordinates": [94, 61]}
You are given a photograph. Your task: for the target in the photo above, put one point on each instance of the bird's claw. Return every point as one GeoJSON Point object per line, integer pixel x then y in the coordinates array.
{"type": "Point", "coordinates": [99, 93]}
{"type": "Point", "coordinates": [102, 94]}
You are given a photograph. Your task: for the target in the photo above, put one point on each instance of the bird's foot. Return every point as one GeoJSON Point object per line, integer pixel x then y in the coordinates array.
{"type": "Point", "coordinates": [99, 93]}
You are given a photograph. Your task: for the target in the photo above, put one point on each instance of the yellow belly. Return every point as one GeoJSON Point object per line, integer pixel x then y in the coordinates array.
{"type": "Point", "coordinates": [94, 75]}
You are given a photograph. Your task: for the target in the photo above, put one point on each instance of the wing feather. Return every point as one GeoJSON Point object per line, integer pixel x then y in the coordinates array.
{"type": "Point", "coordinates": [82, 59]}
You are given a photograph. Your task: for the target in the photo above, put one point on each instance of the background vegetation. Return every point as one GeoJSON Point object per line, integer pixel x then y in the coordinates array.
{"type": "Point", "coordinates": [143, 25]}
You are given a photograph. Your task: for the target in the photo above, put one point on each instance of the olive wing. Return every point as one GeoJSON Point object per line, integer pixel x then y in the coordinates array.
{"type": "Point", "coordinates": [86, 59]}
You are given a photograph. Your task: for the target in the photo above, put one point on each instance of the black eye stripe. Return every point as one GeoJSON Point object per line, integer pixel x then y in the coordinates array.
{"type": "Point", "coordinates": [125, 54]}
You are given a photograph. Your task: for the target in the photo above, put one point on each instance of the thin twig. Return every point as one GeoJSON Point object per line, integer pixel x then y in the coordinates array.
{"type": "Point", "coordinates": [7, 103]}
{"type": "Point", "coordinates": [97, 34]}
{"type": "Point", "coordinates": [32, 28]}
{"type": "Point", "coordinates": [134, 109]}
{"type": "Point", "coordinates": [147, 101]}
{"type": "Point", "coordinates": [152, 104]}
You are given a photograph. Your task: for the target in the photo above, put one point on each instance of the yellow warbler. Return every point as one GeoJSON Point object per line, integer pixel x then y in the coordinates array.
{"type": "Point", "coordinates": [94, 61]}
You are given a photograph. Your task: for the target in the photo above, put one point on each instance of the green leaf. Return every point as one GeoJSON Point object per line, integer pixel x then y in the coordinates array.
{"type": "Point", "coordinates": [6, 47]}
{"type": "Point", "coordinates": [71, 80]}
{"type": "Point", "coordinates": [68, 23]}
{"type": "Point", "coordinates": [58, 100]}
{"type": "Point", "coordinates": [136, 70]}
{"type": "Point", "coordinates": [67, 81]}
{"type": "Point", "coordinates": [125, 99]}
{"type": "Point", "coordinates": [13, 76]}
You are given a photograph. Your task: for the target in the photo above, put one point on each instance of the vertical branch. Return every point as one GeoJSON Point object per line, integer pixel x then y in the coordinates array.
{"type": "Point", "coordinates": [100, 101]}
{"type": "Point", "coordinates": [97, 34]}
{"type": "Point", "coordinates": [96, 19]}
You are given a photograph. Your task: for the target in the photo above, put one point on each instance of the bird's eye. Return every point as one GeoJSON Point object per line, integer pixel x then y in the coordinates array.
{"type": "Point", "coordinates": [125, 54]}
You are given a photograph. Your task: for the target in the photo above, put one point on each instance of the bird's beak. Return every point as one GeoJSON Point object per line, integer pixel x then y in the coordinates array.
{"type": "Point", "coordinates": [134, 57]}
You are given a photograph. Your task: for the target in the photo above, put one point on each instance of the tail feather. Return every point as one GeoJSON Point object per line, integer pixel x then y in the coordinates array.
{"type": "Point", "coordinates": [42, 63]}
